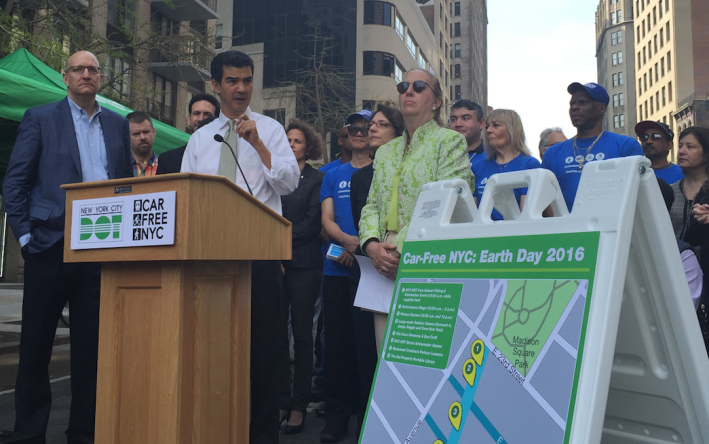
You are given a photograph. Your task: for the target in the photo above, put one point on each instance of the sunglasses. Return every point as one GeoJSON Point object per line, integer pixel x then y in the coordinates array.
{"type": "Point", "coordinates": [654, 136]}
{"type": "Point", "coordinates": [418, 85]}
{"type": "Point", "coordinates": [353, 130]}
{"type": "Point", "coordinates": [80, 69]}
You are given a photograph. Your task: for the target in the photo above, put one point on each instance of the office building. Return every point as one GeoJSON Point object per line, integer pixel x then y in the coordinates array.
{"type": "Point", "coordinates": [616, 70]}
{"type": "Point", "coordinates": [672, 62]}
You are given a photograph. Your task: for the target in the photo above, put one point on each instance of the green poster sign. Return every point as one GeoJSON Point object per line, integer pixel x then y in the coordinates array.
{"type": "Point", "coordinates": [482, 331]}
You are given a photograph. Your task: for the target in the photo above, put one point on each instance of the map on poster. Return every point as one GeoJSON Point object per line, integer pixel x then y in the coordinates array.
{"type": "Point", "coordinates": [484, 341]}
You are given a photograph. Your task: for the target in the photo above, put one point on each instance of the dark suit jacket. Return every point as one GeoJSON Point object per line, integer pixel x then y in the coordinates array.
{"type": "Point", "coordinates": [302, 209]}
{"type": "Point", "coordinates": [46, 156]}
{"type": "Point", "coordinates": [171, 161]}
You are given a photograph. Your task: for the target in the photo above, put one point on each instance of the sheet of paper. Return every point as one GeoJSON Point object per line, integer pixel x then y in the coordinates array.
{"type": "Point", "coordinates": [375, 290]}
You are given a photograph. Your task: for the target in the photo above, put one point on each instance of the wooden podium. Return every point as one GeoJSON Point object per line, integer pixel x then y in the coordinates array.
{"type": "Point", "coordinates": [174, 335]}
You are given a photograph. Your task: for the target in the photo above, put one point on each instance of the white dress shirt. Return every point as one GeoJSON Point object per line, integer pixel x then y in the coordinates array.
{"type": "Point", "coordinates": [203, 152]}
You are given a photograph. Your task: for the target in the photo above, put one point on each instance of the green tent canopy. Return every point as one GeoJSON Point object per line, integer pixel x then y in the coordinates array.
{"type": "Point", "coordinates": [27, 82]}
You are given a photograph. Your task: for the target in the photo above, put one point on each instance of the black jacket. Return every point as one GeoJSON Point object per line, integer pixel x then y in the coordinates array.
{"type": "Point", "coordinates": [171, 161]}
{"type": "Point", "coordinates": [302, 209]}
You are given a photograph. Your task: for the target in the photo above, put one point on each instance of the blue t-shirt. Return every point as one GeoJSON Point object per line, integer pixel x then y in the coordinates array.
{"type": "Point", "coordinates": [561, 160]}
{"type": "Point", "coordinates": [336, 184]}
{"type": "Point", "coordinates": [483, 168]}
{"type": "Point", "coordinates": [670, 174]}
{"type": "Point", "coordinates": [334, 164]}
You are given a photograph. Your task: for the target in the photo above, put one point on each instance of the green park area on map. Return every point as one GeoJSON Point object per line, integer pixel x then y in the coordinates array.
{"type": "Point", "coordinates": [422, 324]}
{"type": "Point", "coordinates": [530, 312]}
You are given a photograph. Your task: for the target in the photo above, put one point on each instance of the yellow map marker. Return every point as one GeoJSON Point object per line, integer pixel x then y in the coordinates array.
{"type": "Point", "coordinates": [469, 371]}
{"type": "Point", "coordinates": [438, 441]}
{"type": "Point", "coordinates": [454, 414]}
{"type": "Point", "coordinates": [477, 351]}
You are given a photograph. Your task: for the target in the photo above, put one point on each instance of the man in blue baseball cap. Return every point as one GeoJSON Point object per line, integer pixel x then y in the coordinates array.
{"type": "Point", "coordinates": [656, 139]}
{"type": "Point", "coordinates": [566, 159]}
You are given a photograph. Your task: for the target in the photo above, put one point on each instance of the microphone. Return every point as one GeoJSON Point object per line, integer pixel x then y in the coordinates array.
{"type": "Point", "coordinates": [219, 138]}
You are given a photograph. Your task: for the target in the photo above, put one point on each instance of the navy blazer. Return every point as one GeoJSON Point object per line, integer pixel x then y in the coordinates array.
{"type": "Point", "coordinates": [46, 156]}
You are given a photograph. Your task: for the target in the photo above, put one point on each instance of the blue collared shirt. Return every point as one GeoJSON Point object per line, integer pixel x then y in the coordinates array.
{"type": "Point", "coordinates": [92, 147]}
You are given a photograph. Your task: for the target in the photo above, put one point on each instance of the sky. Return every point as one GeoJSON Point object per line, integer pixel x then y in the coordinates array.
{"type": "Point", "coordinates": [535, 50]}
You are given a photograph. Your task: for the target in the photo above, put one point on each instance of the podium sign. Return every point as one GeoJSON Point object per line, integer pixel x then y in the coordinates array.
{"type": "Point", "coordinates": [123, 221]}
{"type": "Point", "coordinates": [576, 329]}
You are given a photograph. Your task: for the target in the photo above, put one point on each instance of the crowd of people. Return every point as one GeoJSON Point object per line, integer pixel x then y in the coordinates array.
{"type": "Point", "coordinates": [351, 213]}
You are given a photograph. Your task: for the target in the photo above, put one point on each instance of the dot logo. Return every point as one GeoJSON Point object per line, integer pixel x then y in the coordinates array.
{"type": "Point", "coordinates": [101, 227]}
{"type": "Point", "coordinates": [580, 158]}
{"type": "Point", "coordinates": [569, 159]}
{"type": "Point", "coordinates": [484, 181]}
{"type": "Point", "coordinates": [344, 184]}
{"type": "Point", "coordinates": [589, 157]}
{"type": "Point", "coordinates": [600, 156]}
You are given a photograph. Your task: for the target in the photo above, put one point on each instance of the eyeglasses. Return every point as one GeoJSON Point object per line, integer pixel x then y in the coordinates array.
{"type": "Point", "coordinates": [93, 70]}
{"type": "Point", "coordinates": [381, 124]}
{"type": "Point", "coordinates": [418, 85]}
{"type": "Point", "coordinates": [653, 136]}
{"type": "Point", "coordinates": [353, 130]}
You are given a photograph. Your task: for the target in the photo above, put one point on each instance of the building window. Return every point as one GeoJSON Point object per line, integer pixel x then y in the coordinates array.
{"type": "Point", "coordinates": [456, 51]}
{"type": "Point", "coordinates": [398, 73]}
{"type": "Point", "coordinates": [652, 106]}
{"type": "Point", "coordinates": [612, 18]}
{"type": "Point", "coordinates": [662, 65]}
{"type": "Point", "coordinates": [620, 36]}
{"type": "Point", "coordinates": [410, 45]}
{"type": "Point", "coordinates": [614, 58]}
{"type": "Point", "coordinates": [657, 100]}
{"type": "Point", "coordinates": [423, 63]}
{"type": "Point", "coordinates": [621, 102]}
{"type": "Point", "coordinates": [620, 78]}
{"type": "Point", "coordinates": [378, 13]}
{"type": "Point", "coordinates": [660, 9]}
{"type": "Point", "coordinates": [616, 124]}
{"type": "Point", "coordinates": [399, 25]}
{"type": "Point", "coordinates": [662, 37]}
{"type": "Point", "coordinates": [615, 79]}
{"type": "Point", "coordinates": [619, 16]}
{"type": "Point", "coordinates": [456, 71]}
{"type": "Point", "coordinates": [120, 77]}
{"type": "Point", "coordinates": [278, 115]}
{"type": "Point", "coordinates": [613, 39]}
{"type": "Point", "coordinates": [657, 73]}
{"type": "Point", "coordinates": [645, 81]}
{"type": "Point", "coordinates": [457, 92]}
{"type": "Point", "coordinates": [655, 43]}
{"type": "Point", "coordinates": [650, 72]}
{"type": "Point", "coordinates": [162, 103]}
{"type": "Point", "coordinates": [615, 100]}
{"type": "Point", "coordinates": [456, 30]}
{"type": "Point", "coordinates": [669, 91]}
{"type": "Point", "coordinates": [667, 6]}
{"type": "Point", "coordinates": [646, 108]}
{"type": "Point", "coordinates": [640, 87]}
{"type": "Point", "coordinates": [644, 55]}
{"type": "Point", "coordinates": [669, 61]}
{"type": "Point", "coordinates": [622, 120]}
{"type": "Point", "coordinates": [667, 30]}
{"type": "Point", "coordinates": [641, 111]}
{"type": "Point", "coordinates": [637, 32]}
{"type": "Point", "coordinates": [643, 28]}
{"type": "Point", "coordinates": [121, 13]}
{"type": "Point", "coordinates": [649, 50]}
{"type": "Point", "coordinates": [664, 96]}
{"type": "Point", "coordinates": [639, 60]}
{"type": "Point", "coordinates": [219, 32]}
{"type": "Point", "coordinates": [654, 16]}
{"type": "Point", "coordinates": [620, 57]}
{"type": "Point", "coordinates": [457, 9]}
{"type": "Point", "coordinates": [377, 63]}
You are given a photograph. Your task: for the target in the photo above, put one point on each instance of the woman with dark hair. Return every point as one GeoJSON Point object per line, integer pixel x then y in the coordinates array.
{"type": "Point", "coordinates": [693, 158]}
{"type": "Point", "coordinates": [302, 277]}
{"type": "Point", "coordinates": [426, 152]}
{"type": "Point", "coordinates": [386, 125]}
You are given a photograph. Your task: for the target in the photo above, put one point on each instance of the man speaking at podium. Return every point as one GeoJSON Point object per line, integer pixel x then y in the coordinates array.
{"type": "Point", "coordinates": [73, 140]}
{"type": "Point", "coordinates": [268, 169]}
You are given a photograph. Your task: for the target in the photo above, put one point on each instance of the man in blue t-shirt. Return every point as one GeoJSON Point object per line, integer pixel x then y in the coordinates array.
{"type": "Point", "coordinates": [341, 378]}
{"type": "Point", "coordinates": [468, 119]}
{"type": "Point", "coordinates": [567, 159]}
{"type": "Point", "coordinates": [656, 139]}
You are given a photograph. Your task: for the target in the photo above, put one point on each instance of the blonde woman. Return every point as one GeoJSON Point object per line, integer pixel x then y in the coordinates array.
{"type": "Point", "coordinates": [506, 152]}
{"type": "Point", "coordinates": [426, 152]}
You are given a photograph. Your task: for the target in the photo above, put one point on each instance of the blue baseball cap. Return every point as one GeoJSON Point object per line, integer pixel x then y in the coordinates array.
{"type": "Point", "coordinates": [596, 91]}
{"type": "Point", "coordinates": [367, 114]}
